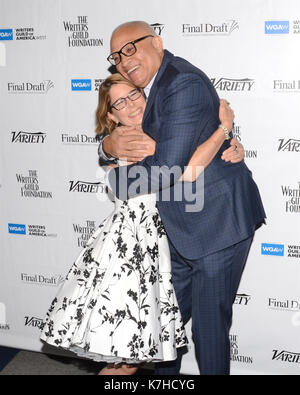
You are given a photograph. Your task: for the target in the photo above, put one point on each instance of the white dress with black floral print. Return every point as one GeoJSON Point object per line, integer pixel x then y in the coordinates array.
{"type": "Point", "coordinates": [118, 303]}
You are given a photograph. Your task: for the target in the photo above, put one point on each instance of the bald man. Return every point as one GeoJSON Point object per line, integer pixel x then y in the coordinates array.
{"type": "Point", "coordinates": [208, 248]}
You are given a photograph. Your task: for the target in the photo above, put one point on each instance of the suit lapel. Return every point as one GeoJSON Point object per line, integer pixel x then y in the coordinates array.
{"type": "Point", "coordinates": [167, 58]}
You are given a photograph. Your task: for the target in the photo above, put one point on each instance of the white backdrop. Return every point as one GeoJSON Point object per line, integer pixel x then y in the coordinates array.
{"type": "Point", "coordinates": [48, 154]}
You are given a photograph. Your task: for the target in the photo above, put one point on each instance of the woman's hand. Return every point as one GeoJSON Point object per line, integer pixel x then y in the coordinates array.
{"type": "Point", "coordinates": [235, 153]}
{"type": "Point", "coordinates": [226, 114]}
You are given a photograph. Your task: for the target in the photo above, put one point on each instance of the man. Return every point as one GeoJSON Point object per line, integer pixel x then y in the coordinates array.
{"type": "Point", "coordinates": [209, 247]}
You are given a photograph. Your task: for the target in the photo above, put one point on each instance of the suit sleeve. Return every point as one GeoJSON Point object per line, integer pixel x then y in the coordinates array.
{"type": "Point", "coordinates": [185, 106]}
{"type": "Point", "coordinates": [103, 159]}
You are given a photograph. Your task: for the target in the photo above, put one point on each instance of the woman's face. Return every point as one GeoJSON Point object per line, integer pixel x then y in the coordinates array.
{"type": "Point", "coordinates": [132, 113]}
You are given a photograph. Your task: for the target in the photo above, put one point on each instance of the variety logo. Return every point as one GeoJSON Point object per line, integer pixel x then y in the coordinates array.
{"type": "Point", "coordinates": [81, 85]}
{"type": "Point", "coordinates": [291, 145]}
{"type": "Point", "coordinates": [292, 205]}
{"type": "Point", "coordinates": [34, 322]}
{"type": "Point", "coordinates": [29, 87]}
{"type": "Point", "coordinates": [85, 187]}
{"type": "Point", "coordinates": [79, 34]}
{"type": "Point", "coordinates": [158, 28]}
{"type": "Point", "coordinates": [28, 138]}
{"type": "Point", "coordinates": [39, 279]}
{"type": "Point", "coordinates": [272, 249]}
{"type": "Point", "coordinates": [235, 354]}
{"type": "Point", "coordinates": [6, 34]}
{"type": "Point", "coordinates": [17, 229]}
{"type": "Point", "coordinates": [233, 85]}
{"type": "Point", "coordinates": [277, 27]}
{"type": "Point", "coordinates": [242, 299]}
{"type": "Point", "coordinates": [208, 29]}
{"type": "Point", "coordinates": [30, 187]}
{"type": "Point", "coordinates": [286, 356]}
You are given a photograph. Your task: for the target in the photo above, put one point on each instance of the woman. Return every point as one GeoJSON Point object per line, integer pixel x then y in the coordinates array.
{"type": "Point", "coordinates": [117, 303]}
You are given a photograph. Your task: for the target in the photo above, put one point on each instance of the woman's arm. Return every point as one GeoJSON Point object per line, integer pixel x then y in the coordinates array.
{"type": "Point", "coordinates": [206, 152]}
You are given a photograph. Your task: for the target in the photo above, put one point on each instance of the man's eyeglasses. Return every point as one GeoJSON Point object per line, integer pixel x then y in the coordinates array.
{"type": "Point", "coordinates": [128, 49]}
{"type": "Point", "coordinates": [122, 101]}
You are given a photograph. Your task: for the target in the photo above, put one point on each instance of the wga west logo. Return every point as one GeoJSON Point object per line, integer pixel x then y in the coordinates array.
{"type": "Point", "coordinates": [277, 27]}
{"type": "Point", "coordinates": [272, 249]}
{"type": "Point", "coordinates": [6, 34]}
{"type": "Point", "coordinates": [81, 85]}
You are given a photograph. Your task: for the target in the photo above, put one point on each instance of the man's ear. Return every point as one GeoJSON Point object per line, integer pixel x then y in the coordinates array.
{"type": "Point", "coordinates": [157, 43]}
{"type": "Point", "coordinates": [112, 117]}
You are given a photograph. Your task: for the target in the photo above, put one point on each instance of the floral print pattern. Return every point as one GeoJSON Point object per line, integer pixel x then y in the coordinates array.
{"type": "Point", "coordinates": [118, 303]}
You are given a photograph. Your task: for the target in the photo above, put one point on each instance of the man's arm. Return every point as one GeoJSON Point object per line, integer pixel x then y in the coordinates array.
{"type": "Point", "coordinates": [186, 109]}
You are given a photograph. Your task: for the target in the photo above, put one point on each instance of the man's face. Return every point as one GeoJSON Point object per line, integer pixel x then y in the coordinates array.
{"type": "Point", "coordinates": [142, 66]}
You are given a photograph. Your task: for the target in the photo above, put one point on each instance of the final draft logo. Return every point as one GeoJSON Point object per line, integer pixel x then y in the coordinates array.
{"type": "Point", "coordinates": [233, 85]}
{"type": "Point", "coordinates": [84, 232]}
{"type": "Point", "coordinates": [210, 29]}
{"type": "Point", "coordinates": [286, 356]}
{"type": "Point", "coordinates": [30, 186]}
{"type": "Point", "coordinates": [291, 86]}
{"type": "Point", "coordinates": [235, 352]}
{"type": "Point", "coordinates": [78, 139]}
{"type": "Point", "coordinates": [39, 279]}
{"type": "Point", "coordinates": [28, 137]}
{"type": "Point", "coordinates": [79, 35]}
{"type": "Point", "coordinates": [292, 205]}
{"type": "Point", "coordinates": [30, 87]}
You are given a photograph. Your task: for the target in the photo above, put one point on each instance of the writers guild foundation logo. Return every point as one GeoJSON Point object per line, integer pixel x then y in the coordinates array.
{"type": "Point", "coordinates": [249, 153]}
{"type": "Point", "coordinates": [292, 204]}
{"type": "Point", "coordinates": [29, 87]}
{"type": "Point", "coordinates": [84, 232]}
{"type": "Point", "coordinates": [242, 299]}
{"type": "Point", "coordinates": [30, 186]}
{"type": "Point", "coordinates": [235, 355]}
{"type": "Point", "coordinates": [85, 187]}
{"type": "Point", "coordinates": [39, 279]}
{"type": "Point", "coordinates": [158, 28]}
{"type": "Point", "coordinates": [78, 139]}
{"type": "Point", "coordinates": [284, 305]}
{"type": "Point", "coordinates": [28, 33]}
{"type": "Point", "coordinates": [210, 29]}
{"type": "Point", "coordinates": [286, 356]}
{"type": "Point", "coordinates": [292, 86]}
{"type": "Point", "coordinates": [78, 34]}
{"type": "Point", "coordinates": [28, 138]}
{"type": "Point", "coordinates": [33, 322]}
{"type": "Point", "coordinates": [290, 145]}
{"type": "Point", "coordinates": [233, 85]}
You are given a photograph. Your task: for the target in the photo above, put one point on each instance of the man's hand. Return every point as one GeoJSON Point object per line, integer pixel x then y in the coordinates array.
{"type": "Point", "coordinates": [226, 114]}
{"type": "Point", "coordinates": [235, 153]}
{"type": "Point", "coordinates": [129, 143]}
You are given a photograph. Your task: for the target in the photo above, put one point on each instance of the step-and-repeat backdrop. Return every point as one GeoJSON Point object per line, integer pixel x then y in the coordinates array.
{"type": "Point", "coordinates": [52, 61]}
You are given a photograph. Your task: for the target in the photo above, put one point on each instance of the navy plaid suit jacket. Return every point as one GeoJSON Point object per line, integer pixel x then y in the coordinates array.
{"type": "Point", "coordinates": [181, 113]}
